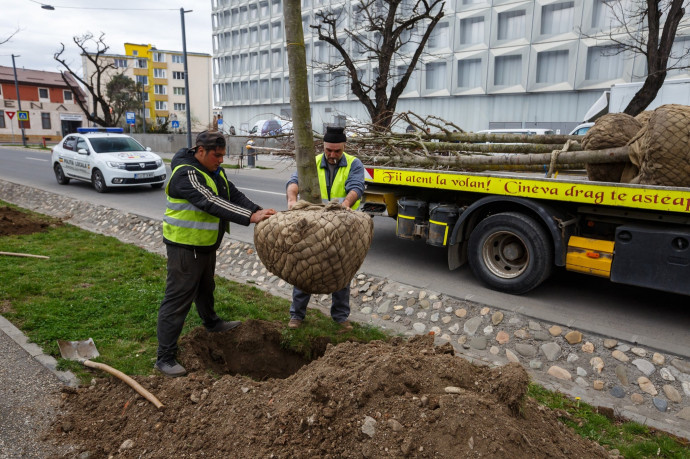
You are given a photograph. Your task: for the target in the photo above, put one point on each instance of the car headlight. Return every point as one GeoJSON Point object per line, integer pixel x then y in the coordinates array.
{"type": "Point", "coordinates": [116, 165]}
{"type": "Point", "coordinates": [159, 162]}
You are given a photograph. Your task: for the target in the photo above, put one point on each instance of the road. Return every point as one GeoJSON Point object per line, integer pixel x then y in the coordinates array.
{"type": "Point", "coordinates": [653, 319]}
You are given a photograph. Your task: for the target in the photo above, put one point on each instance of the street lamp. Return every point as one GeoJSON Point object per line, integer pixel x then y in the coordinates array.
{"type": "Point", "coordinates": [19, 100]}
{"type": "Point", "coordinates": [186, 80]}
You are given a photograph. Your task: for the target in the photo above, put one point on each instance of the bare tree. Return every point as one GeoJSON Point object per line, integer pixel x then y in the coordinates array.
{"type": "Point", "coordinates": [9, 37]}
{"type": "Point", "coordinates": [391, 30]}
{"type": "Point", "coordinates": [648, 28]}
{"type": "Point", "coordinates": [100, 111]}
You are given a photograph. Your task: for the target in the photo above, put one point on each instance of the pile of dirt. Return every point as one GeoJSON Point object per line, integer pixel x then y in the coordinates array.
{"type": "Point", "coordinates": [397, 399]}
{"type": "Point", "coordinates": [14, 222]}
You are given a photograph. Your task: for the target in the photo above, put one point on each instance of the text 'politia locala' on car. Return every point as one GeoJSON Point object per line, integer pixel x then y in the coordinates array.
{"type": "Point", "coordinates": [106, 158]}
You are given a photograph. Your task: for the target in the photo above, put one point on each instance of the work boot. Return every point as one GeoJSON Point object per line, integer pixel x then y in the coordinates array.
{"type": "Point", "coordinates": [224, 325]}
{"type": "Point", "coordinates": [345, 326]}
{"type": "Point", "coordinates": [294, 323]}
{"type": "Point", "coordinates": [170, 368]}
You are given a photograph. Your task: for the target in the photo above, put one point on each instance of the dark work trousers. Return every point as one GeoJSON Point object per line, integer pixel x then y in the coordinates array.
{"type": "Point", "coordinates": [190, 279]}
{"type": "Point", "coordinates": [340, 308]}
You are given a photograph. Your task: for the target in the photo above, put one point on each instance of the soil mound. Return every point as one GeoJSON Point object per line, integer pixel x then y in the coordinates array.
{"type": "Point", "coordinates": [14, 222]}
{"type": "Point", "coordinates": [398, 399]}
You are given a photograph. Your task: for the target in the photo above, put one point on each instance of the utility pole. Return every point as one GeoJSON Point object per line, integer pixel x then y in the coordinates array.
{"type": "Point", "coordinates": [186, 80]}
{"type": "Point", "coordinates": [19, 100]}
{"type": "Point", "coordinates": [143, 108]}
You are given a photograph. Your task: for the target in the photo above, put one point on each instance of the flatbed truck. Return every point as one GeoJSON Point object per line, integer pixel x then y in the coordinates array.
{"type": "Point", "coordinates": [514, 228]}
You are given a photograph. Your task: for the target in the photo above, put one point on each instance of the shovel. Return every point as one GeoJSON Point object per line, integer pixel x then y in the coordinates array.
{"type": "Point", "coordinates": [82, 351]}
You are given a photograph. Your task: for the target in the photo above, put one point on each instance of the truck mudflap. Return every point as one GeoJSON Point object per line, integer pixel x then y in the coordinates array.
{"type": "Point", "coordinates": [653, 257]}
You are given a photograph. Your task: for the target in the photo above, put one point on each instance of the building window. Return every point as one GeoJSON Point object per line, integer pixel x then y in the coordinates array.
{"type": "Point", "coordinates": [179, 91]}
{"type": "Point", "coordinates": [254, 35]}
{"type": "Point", "coordinates": [158, 57]}
{"type": "Point", "coordinates": [439, 37]}
{"type": "Point", "coordinates": [552, 66]}
{"type": "Point", "coordinates": [159, 73]}
{"type": "Point", "coordinates": [254, 62]}
{"type": "Point", "coordinates": [277, 88]}
{"type": "Point", "coordinates": [147, 113]}
{"type": "Point", "coordinates": [2, 119]}
{"type": "Point", "coordinates": [340, 84]}
{"type": "Point", "coordinates": [179, 107]}
{"type": "Point", "coordinates": [557, 18]}
{"type": "Point", "coordinates": [264, 60]}
{"type": "Point", "coordinates": [120, 63]}
{"type": "Point", "coordinates": [508, 70]}
{"type": "Point", "coordinates": [412, 84]}
{"type": "Point", "coordinates": [141, 64]}
{"type": "Point", "coordinates": [244, 37]}
{"type": "Point", "coordinates": [276, 59]}
{"type": "Point", "coordinates": [67, 95]}
{"type": "Point", "coordinates": [607, 14]}
{"type": "Point", "coordinates": [276, 31]}
{"type": "Point", "coordinates": [276, 7]}
{"type": "Point", "coordinates": [470, 73]}
{"type": "Point", "coordinates": [161, 105]}
{"type": "Point", "coordinates": [511, 25]}
{"type": "Point", "coordinates": [436, 75]}
{"type": "Point", "coordinates": [245, 90]}
{"type": "Point", "coordinates": [253, 12]}
{"type": "Point", "coordinates": [679, 60]}
{"type": "Point", "coordinates": [159, 89]}
{"type": "Point", "coordinates": [178, 59]}
{"type": "Point", "coordinates": [263, 9]}
{"type": "Point", "coordinates": [45, 120]}
{"type": "Point", "coordinates": [135, 52]}
{"type": "Point", "coordinates": [472, 31]}
{"type": "Point", "coordinates": [43, 93]}
{"type": "Point", "coordinates": [263, 89]}
{"type": "Point", "coordinates": [604, 63]}
{"type": "Point", "coordinates": [320, 85]}
{"type": "Point", "coordinates": [142, 79]}
{"type": "Point", "coordinates": [264, 33]}
{"type": "Point", "coordinates": [178, 75]}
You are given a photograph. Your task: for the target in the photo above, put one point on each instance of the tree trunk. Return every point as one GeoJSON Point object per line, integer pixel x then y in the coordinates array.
{"type": "Point", "coordinates": [299, 102]}
{"type": "Point", "coordinates": [646, 94]}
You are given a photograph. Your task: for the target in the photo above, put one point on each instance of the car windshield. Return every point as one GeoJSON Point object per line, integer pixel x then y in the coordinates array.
{"type": "Point", "coordinates": [115, 144]}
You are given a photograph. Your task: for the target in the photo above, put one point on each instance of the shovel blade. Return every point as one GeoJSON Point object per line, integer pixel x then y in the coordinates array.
{"type": "Point", "coordinates": [78, 350]}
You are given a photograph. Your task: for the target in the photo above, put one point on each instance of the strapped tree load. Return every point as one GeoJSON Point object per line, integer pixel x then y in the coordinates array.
{"type": "Point", "coordinates": [316, 248]}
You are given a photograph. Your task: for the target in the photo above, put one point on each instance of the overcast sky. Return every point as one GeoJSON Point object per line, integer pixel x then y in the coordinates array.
{"type": "Point", "coordinates": [41, 31]}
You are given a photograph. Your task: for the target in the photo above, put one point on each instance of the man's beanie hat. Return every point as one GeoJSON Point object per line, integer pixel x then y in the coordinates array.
{"type": "Point", "coordinates": [335, 135]}
{"type": "Point", "coordinates": [210, 139]}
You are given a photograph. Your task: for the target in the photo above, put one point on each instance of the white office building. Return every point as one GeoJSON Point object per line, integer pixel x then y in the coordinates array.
{"type": "Point", "coordinates": [500, 64]}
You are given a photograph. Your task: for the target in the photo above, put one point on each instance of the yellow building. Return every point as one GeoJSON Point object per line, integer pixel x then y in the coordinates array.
{"type": "Point", "coordinates": [162, 74]}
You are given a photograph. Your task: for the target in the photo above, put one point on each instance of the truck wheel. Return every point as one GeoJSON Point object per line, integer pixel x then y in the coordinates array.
{"type": "Point", "coordinates": [98, 181]}
{"type": "Point", "coordinates": [510, 252]}
{"type": "Point", "coordinates": [60, 175]}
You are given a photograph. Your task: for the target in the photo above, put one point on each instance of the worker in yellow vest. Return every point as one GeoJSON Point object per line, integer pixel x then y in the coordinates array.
{"type": "Point", "coordinates": [341, 177]}
{"type": "Point", "coordinates": [201, 204]}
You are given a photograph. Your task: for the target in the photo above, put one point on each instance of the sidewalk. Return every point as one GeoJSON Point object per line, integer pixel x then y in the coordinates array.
{"type": "Point", "coordinates": [652, 388]}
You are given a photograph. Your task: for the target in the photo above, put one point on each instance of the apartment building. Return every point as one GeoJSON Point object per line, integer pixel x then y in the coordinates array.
{"type": "Point", "coordinates": [53, 111]}
{"type": "Point", "coordinates": [162, 74]}
{"type": "Point", "coordinates": [488, 64]}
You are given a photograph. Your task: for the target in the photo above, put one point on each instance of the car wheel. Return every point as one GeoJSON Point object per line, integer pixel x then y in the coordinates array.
{"type": "Point", "coordinates": [156, 185]}
{"type": "Point", "coordinates": [98, 181]}
{"type": "Point", "coordinates": [510, 252]}
{"type": "Point", "coordinates": [60, 175]}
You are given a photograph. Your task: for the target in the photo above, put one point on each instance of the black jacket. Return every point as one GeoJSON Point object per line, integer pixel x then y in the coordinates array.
{"type": "Point", "coordinates": [230, 205]}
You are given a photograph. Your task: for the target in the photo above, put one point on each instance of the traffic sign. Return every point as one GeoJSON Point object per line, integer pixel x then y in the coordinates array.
{"type": "Point", "coordinates": [10, 114]}
{"type": "Point", "coordinates": [175, 124]}
{"type": "Point", "coordinates": [130, 117]}
{"type": "Point", "coordinates": [23, 115]}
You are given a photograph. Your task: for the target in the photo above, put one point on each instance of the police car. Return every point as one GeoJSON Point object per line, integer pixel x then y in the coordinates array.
{"type": "Point", "coordinates": [107, 158]}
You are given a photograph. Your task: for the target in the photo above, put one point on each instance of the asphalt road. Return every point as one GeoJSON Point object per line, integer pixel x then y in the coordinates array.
{"type": "Point", "coordinates": [656, 320]}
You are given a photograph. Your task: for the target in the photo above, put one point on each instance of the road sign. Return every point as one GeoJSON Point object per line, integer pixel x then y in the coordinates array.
{"type": "Point", "coordinates": [220, 121]}
{"type": "Point", "coordinates": [175, 124]}
{"type": "Point", "coordinates": [10, 114]}
{"type": "Point", "coordinates": [130, 117]}
{"type": "Point", "coordinates": [23, 115]}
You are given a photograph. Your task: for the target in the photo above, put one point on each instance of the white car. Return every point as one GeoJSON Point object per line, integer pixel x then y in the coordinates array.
{"type": "Point", "coordinates": [581, 129]}
{"type": "Point", "coordinates": [106, 158]}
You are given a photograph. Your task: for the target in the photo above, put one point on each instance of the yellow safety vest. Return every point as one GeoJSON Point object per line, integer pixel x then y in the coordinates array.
{"type": "Point", "coordinates": [338, 187]}
{"type": "Point", "coordinates": [184, 223]}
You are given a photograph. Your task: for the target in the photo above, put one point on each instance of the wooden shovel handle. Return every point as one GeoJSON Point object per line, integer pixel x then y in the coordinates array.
{"type": "Point", "coordinates": [132, 383]}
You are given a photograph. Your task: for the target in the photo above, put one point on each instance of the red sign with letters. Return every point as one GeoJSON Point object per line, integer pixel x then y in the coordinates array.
{"type": "Point", "coordinates": [10, 114]}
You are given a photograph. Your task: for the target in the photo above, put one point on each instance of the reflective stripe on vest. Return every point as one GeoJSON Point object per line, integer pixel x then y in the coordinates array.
{"type": "Point", "coordinates": [338, 187]}
{"type": "Point", "coordinates": [184, 223]}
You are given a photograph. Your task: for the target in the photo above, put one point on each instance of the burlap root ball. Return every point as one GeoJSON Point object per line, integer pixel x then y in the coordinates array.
{"type": "Point", "coordinates": [643, 117]}
{"type": "Point", "coordinates": [610, 131]}
{"type": "Point", "coordinates": [316, 248]}
{"type": "Point", "coordinates": [661, 149]}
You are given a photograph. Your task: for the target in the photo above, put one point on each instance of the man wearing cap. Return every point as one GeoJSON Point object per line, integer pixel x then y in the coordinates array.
{"type": "Point", "coordinates": [341, 177]}
{"type": "Point", "coordinates": [201, 204]}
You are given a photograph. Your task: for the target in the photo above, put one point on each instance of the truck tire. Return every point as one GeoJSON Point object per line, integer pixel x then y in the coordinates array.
{"type": "Point", "coordinates": [510, 252]}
